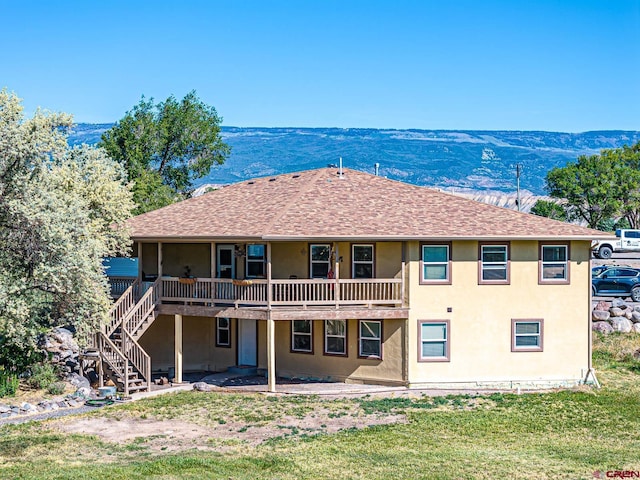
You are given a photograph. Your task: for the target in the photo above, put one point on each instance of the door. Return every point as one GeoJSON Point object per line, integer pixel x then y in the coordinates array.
{"type": "Point", "coordinates": [225, 265]}
{"type": "Point", "coordinates": [247, 342]}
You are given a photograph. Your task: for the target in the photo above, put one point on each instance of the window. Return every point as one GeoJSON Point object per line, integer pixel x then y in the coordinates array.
{"type": "Point", "coordinates": [335, 337]}
{"type": "Point", "coordinates": [526, 335]}
{"type": "Point", "coordinates": [370, 339]}
{"type": "Point", "coordinates": [362, 261]}
{"type": "Point", "coordinates": [494, 263]}
{"type": "Point", "coordinates": [223, 332]}
{"type": "Point", "coordinates": [436, 264]}
{"type": "Point", "coordinates": [554, 263]}
{"type": "Point", "coordinates": [320, 260]}
{"type": "Point", "coordinates": [301, 336]}
{"type": "Point", "coordinates": [255, 261]}
{"type": "Point", "coordinates": [434, 341]}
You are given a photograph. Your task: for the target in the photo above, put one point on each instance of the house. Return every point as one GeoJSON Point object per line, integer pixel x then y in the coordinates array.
{"type": "Point", "coordinates": [347, 276]}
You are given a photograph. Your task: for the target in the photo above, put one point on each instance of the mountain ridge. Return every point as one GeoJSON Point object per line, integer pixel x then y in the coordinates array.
{"type": "Point", "coordinates": [461, 160]}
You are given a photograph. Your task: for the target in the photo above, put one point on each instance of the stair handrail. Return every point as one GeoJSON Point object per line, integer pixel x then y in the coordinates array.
{"type": "Point", "coordinates": [138, 358]}
{"type": "Point", "coordinates": [146, 305]}
{"type": "Point", "coordinates": [121, 308]}
{"type": "Point", "coordinates": [103, 340]}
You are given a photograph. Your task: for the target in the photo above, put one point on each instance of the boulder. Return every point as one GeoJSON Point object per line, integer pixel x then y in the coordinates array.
{"type": "Point", "coordinates": [4, 408]}
{"type": "Point", "coordinates": [619, 303]}
{"type": "Point", "coordinates": [620, 324]}
{"type": "Point", "coordinates": [616, 312]}
{"type": "Point", "coordinates": [602, 315]}
{"type": "Point", "coordinates": [202, 387]}
{"type": "Point", "coordinates": [79, 381]}
{"type": "Point", "coordinates": [628, 314]}
{"type": "Point", "coordinates": [636, 354]}
{"type": "Point", "coordinates": [605, 306]}
{"type": "Point", "coordinates": [635, 316]}
{"type": "Point", "coordinates": [635, 328]}
{"type": "Point", "coordinates": [602, 327]}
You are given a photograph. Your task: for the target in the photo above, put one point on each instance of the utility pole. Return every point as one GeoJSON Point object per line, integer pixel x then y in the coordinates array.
{"type": "Point", "coordinates": [518, 169]}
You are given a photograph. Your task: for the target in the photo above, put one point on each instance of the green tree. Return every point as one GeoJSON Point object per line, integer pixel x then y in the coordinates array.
{"type": "Point", "coordinates": [630, 183]}
{"type": "Point", "coordinates": [589, 189]}
{"type": "Point", "coordinates": [549, 209]}
{"type": "Point", "coordinates": [165, 147]}
{"type": "Point", "coordinates": [58, 208]}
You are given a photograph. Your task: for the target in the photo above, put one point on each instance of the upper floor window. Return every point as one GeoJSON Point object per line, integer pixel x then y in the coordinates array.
{"type": "Point", "coordinates": [302, 336]}
{"type": "Point", "coordinates": [554, 263]}
{"type": "Point", "coordinates": [362, 261]}
{"type": "Point", "coordinates": [320, 256]}
{"type": "Point", "coordinates": [256, 261]}
{"type": "Point", "coordinates": [494, 263]}
{"type": "Point", "coordinates": [434, 341]}
{"type": "Point", "coordinates": [436, 263]}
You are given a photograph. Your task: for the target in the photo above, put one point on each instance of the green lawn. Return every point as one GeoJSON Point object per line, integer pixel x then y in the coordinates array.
{"type": "Point", "coordinates": [568, 434]}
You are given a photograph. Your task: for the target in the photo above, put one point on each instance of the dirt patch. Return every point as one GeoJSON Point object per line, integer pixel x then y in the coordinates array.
{"type": "Point", "coordinates": [177, 435]}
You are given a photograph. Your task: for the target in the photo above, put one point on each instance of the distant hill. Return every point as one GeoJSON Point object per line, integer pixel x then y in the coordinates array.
{"type": "Point", "coordinates": [480, 161]}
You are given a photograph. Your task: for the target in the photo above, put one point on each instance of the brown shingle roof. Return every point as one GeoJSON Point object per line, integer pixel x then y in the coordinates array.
{"type": "Point", "coordinates": [319, 204]}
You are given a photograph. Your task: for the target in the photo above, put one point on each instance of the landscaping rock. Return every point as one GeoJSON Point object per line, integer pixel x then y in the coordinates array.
{"type": "Point", "coordinates": [4, 408]}
{"type": "Point", "coordinates": [628, 314]}
{"type": "Point", "coordinates": [604, 306]}
{"type": "Point", "coordinates": [602, 327]}
{"type": "Point", "coordinates": [619, 303]}
{"type": "Point", "coordinates": [602, 315]}
{"type": "Point", "coordinates": [202, 387]}
{"type": "Point", "coordinates": [79, 381]}
{"type": "Point", "coordinates": [620, 324]}
{"type": "Point", "coordinates": [616, 312]}
{"type": "Point", "coordinates": [635, 328]}
{"type": "Point", "coordinates": [635, 316]}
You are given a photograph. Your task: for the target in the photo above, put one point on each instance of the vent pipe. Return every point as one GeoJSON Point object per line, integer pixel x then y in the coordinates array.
{"type": "Point", "coordinates": [340, 171]}
{"type": "Point", "coordinates": [377, 168]}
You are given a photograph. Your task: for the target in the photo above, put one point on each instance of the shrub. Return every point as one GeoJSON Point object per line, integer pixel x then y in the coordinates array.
{"type": "Point", "coordinates": [8, 383]}
{"type": "Point", "coordinates": [42, 376]}
{"type": "Point", "coordinates": [56, 388]}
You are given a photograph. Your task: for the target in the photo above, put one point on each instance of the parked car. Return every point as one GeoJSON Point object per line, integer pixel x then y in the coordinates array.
{"type": "Point", "coordinates": [616, 281]}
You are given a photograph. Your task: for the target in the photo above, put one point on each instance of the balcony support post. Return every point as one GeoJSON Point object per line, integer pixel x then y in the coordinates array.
{"type": "Point", "coordinates": [178, 349]}
{"type": "Point", "coordinates": [271, 352]}
{"type": "Point", "coordinates": [269, 292]}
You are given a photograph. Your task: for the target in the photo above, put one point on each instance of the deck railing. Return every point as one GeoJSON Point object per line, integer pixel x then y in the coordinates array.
{"type": "Point", "coordinates": [119, 285]}
{"type": "Point", "coordinates": [284, 292]}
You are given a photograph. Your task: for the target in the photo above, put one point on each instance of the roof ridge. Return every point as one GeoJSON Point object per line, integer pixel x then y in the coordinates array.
{"type": "Point", "coordinates": [315, 173]}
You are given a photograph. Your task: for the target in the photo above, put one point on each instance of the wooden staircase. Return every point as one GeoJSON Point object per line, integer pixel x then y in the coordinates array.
{"type": "Point", "coordinates": [124, 361]}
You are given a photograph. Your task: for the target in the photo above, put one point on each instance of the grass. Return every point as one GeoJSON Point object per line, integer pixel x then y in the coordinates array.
{"type": "Point", "coordinates": [565, 434]}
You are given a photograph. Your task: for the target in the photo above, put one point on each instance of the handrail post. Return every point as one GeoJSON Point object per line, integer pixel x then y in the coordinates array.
{"type": "Point", "coordinates": [269, 293]}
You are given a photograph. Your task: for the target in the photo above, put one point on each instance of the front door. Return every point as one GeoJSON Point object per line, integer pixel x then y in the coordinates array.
{"type": "Point", "coordinates": [226, 267]}
{"type": "Point", "coordinates": [247, 342]}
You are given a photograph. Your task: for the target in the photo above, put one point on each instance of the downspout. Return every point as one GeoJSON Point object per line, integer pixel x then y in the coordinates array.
{"type": "Point", "coordinates": [590, 371]}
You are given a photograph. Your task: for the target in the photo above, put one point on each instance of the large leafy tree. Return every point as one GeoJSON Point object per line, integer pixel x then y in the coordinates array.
{"type": "Point", "coordinates": [58, 209]}
{"type": "Point", "coordinates": [165, 147]}
{"type": "Point", "coordinates": [549, 209]}
{"type": "Point", "coordinates": [589, 189]}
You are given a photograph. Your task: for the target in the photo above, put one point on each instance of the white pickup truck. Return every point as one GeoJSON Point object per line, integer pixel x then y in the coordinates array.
{"type": "Point", "coordinates": [627, 241]}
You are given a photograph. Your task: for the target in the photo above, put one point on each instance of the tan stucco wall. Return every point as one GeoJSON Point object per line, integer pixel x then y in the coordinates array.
{"type": "Point", "coordinates": [150, 258]}
{"type": "Point", "coordinates": [480, 328]}
{"type": "Point", "coordinates": [351, 368]}
{"type": "Point", "coordinates": [198, 342]}
{"type": "Point", "coordinates": [177, 256]}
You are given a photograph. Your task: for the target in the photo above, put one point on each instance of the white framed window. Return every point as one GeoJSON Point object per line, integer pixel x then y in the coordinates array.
{"type": "Point", "coordinates": [370, 339]}
{"type": "Point", "coordinates": [435, 263]}
{"type": "Point", "coordinates": [527, 335]}
{"type": "Point", "coordinates": [335, 337]}
{"type": "Point", "coordinates": [320, 258]}
{"type": "Point", "coordinates": [434, 341]}
{"type": "Point", "coordinates": [223, 332]}
{"type": "Point", "coordinates": [494, 263]}
{"type": "Point", "coordinates": [302, 336]}
{"type": "Point", "coordinates": [256, 258]}
{"type": "Point", "coordinates": [362, 261]}
{"type": "Point", "coordinates": [553, 263]}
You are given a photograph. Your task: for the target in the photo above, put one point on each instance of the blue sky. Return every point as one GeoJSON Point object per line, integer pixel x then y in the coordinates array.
{"type": "Point", "coordinates": [559, 65]}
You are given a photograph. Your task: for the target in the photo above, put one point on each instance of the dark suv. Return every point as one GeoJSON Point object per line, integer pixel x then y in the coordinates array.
{"type": "Point", "coordinates": [617, 282]}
